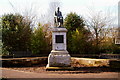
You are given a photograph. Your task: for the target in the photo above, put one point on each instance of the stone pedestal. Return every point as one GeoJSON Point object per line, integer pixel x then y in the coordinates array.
{"type": "Point", "coordinates": [59, 57]}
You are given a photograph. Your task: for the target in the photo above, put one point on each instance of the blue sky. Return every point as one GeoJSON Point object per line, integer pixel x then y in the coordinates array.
{"type": "Point", "coordinates": [81, 7]}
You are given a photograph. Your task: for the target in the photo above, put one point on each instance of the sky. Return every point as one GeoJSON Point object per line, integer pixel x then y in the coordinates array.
{"type": "Point", "coordinates": [41, 7]}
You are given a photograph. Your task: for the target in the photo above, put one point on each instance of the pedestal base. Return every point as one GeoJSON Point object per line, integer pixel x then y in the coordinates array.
{"type": "Point", "coordinates": [58, 68]}
{"type": "Point", "coordinates": [59, 59]}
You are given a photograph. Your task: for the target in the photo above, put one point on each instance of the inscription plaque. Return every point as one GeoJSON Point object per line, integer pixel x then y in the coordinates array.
{"type": "Point", "coordinates": [59, 38]}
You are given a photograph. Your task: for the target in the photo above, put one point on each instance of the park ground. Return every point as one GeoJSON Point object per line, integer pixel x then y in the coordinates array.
{"type": "Point", "coordinates": [17, 73]}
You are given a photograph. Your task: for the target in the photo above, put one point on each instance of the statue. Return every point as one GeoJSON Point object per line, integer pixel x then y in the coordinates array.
{"type": "Point", "coordinates": [58, 19]}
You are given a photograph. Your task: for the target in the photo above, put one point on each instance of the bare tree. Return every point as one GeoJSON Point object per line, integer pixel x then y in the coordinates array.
{"type": "Point", "coordinates": [97, 23]}
{"type": "Point", "coordinates": [28, 12]}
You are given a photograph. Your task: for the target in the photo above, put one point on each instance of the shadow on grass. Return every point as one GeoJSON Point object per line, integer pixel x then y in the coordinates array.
{"type": "Point", "coordinates": [78, 70]}
{"type": "Point", "coordinates": [96, 69]}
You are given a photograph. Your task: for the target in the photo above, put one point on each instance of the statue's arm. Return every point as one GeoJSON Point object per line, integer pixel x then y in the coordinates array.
{"type": "Point", "coordinates": [55, 13]}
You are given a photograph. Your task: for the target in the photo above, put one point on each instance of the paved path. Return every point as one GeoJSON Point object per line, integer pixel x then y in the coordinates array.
{"type": "Point", "coordinates": [10, 73]}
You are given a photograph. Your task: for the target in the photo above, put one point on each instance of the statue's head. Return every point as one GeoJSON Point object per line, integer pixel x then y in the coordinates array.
{"type": "Point", "coordinates": [58, 9]}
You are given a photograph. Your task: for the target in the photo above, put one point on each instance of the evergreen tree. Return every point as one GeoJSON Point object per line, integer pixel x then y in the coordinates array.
{"type": "Point", "coordinates": [16, 33]}
{"type": "Point", "coordinates": [78, 37]}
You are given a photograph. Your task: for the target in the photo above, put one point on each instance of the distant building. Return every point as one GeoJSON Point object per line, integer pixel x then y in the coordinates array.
{"type": "Point", "coordinates": [117, 40]}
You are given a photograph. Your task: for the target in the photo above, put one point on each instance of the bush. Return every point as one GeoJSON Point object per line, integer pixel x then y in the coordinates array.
{"type": "Point", "coordinates": [39, 43]}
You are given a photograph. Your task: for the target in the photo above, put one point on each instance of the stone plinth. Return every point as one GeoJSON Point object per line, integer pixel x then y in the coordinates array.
{"type": "Point", "coordinates": [59, 57]}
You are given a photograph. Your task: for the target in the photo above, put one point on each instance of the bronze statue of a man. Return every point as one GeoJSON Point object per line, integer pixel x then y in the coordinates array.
{"type": "Point", "coordinates": [58, 19]}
